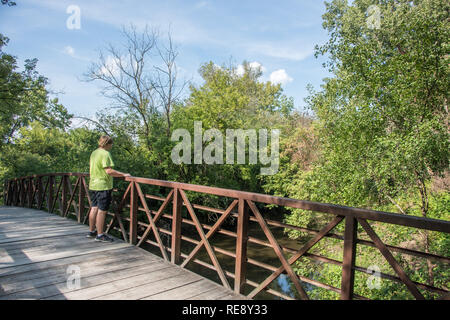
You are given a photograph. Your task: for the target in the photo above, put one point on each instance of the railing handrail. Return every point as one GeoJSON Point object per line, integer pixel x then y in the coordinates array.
{"type": "Point", "coordinates": [375, 215]}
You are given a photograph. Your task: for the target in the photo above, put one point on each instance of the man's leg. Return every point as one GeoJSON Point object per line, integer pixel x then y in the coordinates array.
{"type": "Point", "coordinates": [104, 201]}
{"type": "Point", "coordinates": [101, 216]}
{"type": "Point", "coordinates": [93, 218]}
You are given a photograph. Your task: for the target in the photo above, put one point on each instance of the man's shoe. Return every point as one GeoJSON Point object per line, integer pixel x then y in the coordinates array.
{"type": "Point", "coordinates": [104, 238]}
{"type": "Point", "coordinates": [91, 234]}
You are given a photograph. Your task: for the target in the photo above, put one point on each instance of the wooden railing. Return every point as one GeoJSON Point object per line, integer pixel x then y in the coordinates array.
{"type": "Point", "coordinates": [64, 192]}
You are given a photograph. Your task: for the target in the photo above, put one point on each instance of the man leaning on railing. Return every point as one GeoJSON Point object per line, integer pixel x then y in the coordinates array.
{"type": "Point", "coordinates": [100, 187]}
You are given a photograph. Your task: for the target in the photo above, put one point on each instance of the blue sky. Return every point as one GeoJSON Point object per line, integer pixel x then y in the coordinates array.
{"type": "Point", "coordinates": [278, 35]}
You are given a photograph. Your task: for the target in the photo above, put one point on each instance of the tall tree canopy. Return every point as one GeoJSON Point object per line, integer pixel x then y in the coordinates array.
{"type": "Point", "coordinates": [383, 115]}
{"type": "Point", "coordinates": [24, 98]}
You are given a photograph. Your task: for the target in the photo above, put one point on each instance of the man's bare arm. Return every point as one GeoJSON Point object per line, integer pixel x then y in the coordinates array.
{"type": "Point", "coordinates": [116, 173]}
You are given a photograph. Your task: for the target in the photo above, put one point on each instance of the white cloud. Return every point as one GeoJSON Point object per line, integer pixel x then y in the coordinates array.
{"type": "Point", "coordinates": [256, 65]}
{"type": "Point", "coordinates": [240, 70]}
{"type": "Point", "coordinates": [69, 50]}
{"type": "Point", "coordinates": [280, 76]}
{"type": "Point", "coordinates": [253, 65]}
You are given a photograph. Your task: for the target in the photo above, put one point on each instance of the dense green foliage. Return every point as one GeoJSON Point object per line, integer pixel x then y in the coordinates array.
{"type": "Point", "coordinates": [378, 137]}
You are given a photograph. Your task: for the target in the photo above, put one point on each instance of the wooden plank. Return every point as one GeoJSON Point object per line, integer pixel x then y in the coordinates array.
{"type": "Point", "coordinates": [212, 294]}
{"type": "Point", "coordinates": [26, 224]}
{"type": "Point", "coordinates": [59, 245]}
{"type": "Point", "coordinates": [17, 215]}
{"type": "Point", "coordinates": [184, 292]}
{"type": "Point", "coordinates": [38, 236]}
{"type": "Point", "coordinates": [42, 232]}
{"type": "Point", "coordinates": [13, 229]}
{"type": "Point", "coordinates": [57, 291]}
{"type": "Point", "coordinates": [8, 271]}
{"type": "Point", "coordinates": [23, 227]}
{"type": "Point", "coordinates": [116, 281]}
{"type": "Point", "coordinates": [43, 277]}
{"type": "Point", "coordinates": [169, 280]}
{"type": "Point", "coordinates": [21, 256]}
{"type": "Point", "coordinates": [50, 235]}
{"type": "Point", "coordinates": [17, 261]}
{"type": "Point", "coordinates": [39, 270]}
{"type": "Point", "coordinates": [31, 219]}
{"type": "Point", "coordinates": [233, 296]}
{"type": "Point", "coordinates": [35, 214]}
{"type": "Point", "coordinates": [43, 244]}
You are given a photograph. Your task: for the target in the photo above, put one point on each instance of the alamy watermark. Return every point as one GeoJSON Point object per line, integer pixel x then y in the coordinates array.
{"type": "Point", "coordinates": [73, 277]}
{"type": "Point", "coordinates": [373, 20]}
{"type": "Point", "coordinates": [258, 147]}
{"type": "Point", "coordinates": [374, 281]}
{"type": "Point", "coordinates": [74, 20]}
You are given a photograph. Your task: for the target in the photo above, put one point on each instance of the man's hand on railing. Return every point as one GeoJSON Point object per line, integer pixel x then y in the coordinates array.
{"type": "Point", "coordinates": [116, 173]}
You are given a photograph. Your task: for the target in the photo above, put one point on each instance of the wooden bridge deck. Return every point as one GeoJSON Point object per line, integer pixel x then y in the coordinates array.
{"type": "Point", "coordinates": [40, 251]}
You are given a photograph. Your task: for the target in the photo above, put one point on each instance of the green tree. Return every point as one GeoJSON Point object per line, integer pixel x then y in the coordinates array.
{"type": "Point", "coordinates": [384, 115]}
{"type": "Point", "coordinates": [229, 100]}
{"type": "Point", "coordinates": [24, 98]}
{"type": "Point", "coordinates": [382, 126]}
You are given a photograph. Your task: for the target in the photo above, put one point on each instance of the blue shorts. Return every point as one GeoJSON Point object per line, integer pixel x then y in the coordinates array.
{"type": "Point", "coordinates": [101, 199]}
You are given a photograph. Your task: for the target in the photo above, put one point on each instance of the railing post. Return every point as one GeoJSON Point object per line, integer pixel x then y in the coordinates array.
{"type": "Point", "coordinates": [14, 193]}
{"type": "Point", "coordinates": [241, 246]}
{"type": "Point", "coordinates": [133, 213]}
{"type": "Point", "coordinates": [15, 198]}
{"type": "Point", "coordinates": [50, 194]}
{"type": "Point", "coordinates": [5, 186]}
{"type": "Point", "coordinates": [39, 192]}
{"type": "Point", "coordinates": [64, 182]}
{"type": "Point", "coordinates": [348, 271]}
{"type": "Point", "coordinates": [81, 194]}
{"type": "Point", "coordinates": [19, 192]}
{"type": "Point", "coordinates": [30, 192]}
{"type": "Point", "coordinates": [176, 227]}
{"type": "Point", "coordinates": [22, 192]}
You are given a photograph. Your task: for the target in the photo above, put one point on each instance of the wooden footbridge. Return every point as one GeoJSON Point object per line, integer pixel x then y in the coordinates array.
{"type": "Point", "coordinates": [44, 255]}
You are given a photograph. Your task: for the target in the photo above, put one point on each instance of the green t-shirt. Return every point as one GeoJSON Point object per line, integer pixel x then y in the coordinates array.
{"type": "Point", "coordinates": [100, 180]}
